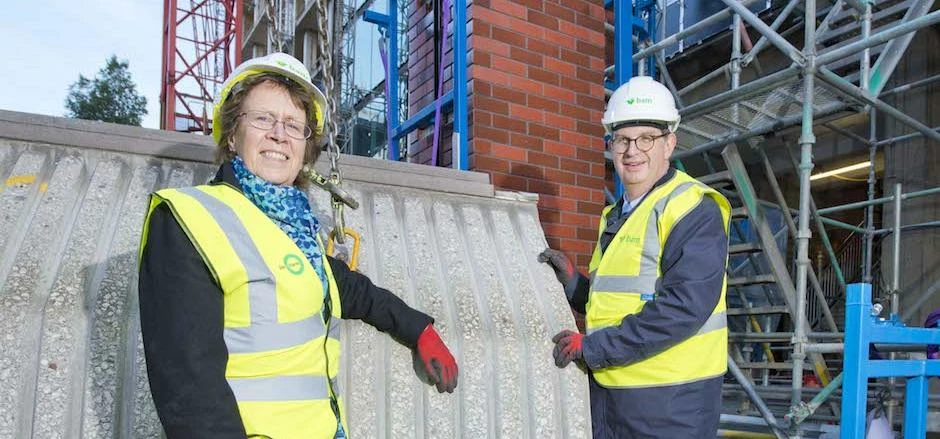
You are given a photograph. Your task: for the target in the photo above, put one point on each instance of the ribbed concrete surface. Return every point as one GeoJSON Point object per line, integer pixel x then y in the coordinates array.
{"type": "Point", "coordinates": [71, 362]}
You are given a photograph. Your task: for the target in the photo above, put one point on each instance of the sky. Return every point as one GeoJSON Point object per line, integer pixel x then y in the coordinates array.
{"type": "Point", "coordinates": [48, 43]}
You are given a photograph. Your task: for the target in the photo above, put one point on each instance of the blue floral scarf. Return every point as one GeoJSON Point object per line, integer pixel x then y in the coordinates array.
{"type": "Point", "coordinates": [289, 208]}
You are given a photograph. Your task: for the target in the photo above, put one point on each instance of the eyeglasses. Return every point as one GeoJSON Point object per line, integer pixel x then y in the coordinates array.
{"type": "Point", "coordinates": [263, 120]}
{"type": "Point", "coordinates": [620, 144]}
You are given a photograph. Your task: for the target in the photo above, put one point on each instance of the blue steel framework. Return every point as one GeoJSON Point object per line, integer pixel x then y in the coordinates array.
{"type": "Point", "coordinates": [862, 329]}
{"type": "Point", "coordinates": [624, 18]}
{"type": "Point", "coordinates": [455, 99]}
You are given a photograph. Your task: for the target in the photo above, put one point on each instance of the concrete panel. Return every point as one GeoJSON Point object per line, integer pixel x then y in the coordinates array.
{"type": "Point", "coordinates": [71, 362]}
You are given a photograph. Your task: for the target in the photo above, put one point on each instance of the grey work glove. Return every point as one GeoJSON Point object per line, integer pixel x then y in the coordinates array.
{"type": "Point", "coordinates": [564, 269]}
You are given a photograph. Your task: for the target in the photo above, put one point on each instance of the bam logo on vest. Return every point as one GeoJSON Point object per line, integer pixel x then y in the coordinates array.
{"type": "Point", "coordinates": [627, 239]}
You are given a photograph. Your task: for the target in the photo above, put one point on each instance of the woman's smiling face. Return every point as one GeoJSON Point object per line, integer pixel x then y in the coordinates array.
{"type": "Point", "coordinates": [271, 154]}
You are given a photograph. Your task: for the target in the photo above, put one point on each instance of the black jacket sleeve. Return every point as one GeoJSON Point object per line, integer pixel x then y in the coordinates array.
{"type": "Point", "coordinates": [363, 300]}
{"type": "Point", "coordinates": [181, 318]}
{"type": "Point", "coordinates": [577, 292]}
{"type": "Point", "coordinates": [693, 268]}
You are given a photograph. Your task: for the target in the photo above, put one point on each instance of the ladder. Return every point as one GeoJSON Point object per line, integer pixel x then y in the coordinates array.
{"type": "Point", "coordinates": [776, 282]}
{"type": "Point", "coordinates": [761, 292]}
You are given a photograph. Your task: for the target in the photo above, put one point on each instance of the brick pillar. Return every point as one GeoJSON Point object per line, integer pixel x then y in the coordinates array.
{"type": "Point", "coordinates": [537, 78]}
{"type": "Point", "coordinates": [536, 97]}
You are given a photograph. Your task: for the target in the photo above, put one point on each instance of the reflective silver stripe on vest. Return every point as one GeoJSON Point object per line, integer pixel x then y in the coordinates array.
{"type": "Point", "coordinates": [649, 264]}
{"type": "Point", "coordinates": [265, 333]}
{"type": "Point", "coordinates": [715, 322]}
{"type": "Point", "coordinates": [267, 337]}
{"type": "Point", "coordinates": [645, 282]}
{"type": "Point", "coordinates": [280, 388]}
{"type": "Point", "coordinates": [262, 293]}
{"type": "Point", "coordinates": [336, 331]}
{"type": "Point", "coordinates": [624, 284]}
{"type": "Point", "coordinates": [335, 383]}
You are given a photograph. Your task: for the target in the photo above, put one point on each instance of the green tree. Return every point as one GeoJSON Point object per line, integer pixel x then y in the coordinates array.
{"type": "Point", "coordinates": [110, 97]}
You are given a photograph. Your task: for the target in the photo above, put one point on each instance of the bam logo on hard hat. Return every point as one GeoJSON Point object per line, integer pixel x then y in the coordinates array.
{"type": "Point", "coordinates": [631, 101]}
{"type": "Point", "coordinates": [287, 66]}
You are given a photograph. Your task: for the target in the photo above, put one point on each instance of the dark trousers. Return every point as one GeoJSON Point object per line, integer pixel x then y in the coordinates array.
{"type": "Point", "coordinates": [683, 411]}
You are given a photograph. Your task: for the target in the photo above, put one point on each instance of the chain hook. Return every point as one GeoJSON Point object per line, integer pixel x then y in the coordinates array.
{"type": "Point", "coordinates": [336, 178]}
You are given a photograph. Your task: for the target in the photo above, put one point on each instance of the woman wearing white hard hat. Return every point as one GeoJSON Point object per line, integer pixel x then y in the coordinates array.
{"type": "Point", "coordinates": [238, 302]}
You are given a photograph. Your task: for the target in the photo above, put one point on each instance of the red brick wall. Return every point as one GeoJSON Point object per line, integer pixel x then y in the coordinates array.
{"type": "Point", "coordinates": [536, 96]}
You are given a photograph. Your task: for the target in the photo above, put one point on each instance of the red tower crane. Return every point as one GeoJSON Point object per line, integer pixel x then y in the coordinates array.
{"type": "Point", "coordinates": [201, 46]}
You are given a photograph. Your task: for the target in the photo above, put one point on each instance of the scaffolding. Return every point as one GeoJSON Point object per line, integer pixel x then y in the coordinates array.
{"type": "Point", "coordinates": [201, 43]}
{"type": "Point", "coordinates": [364, 105]}
{"type": "Point", "coordinates": [850, 50]}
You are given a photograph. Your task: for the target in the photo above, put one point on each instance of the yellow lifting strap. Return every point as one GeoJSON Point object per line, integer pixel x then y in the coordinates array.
{"type": "Point", "coordinates": [351, 260]}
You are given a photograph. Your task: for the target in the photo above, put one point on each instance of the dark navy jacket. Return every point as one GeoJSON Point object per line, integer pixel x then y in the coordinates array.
{"type": "Point", "coordinates": [693, 266]}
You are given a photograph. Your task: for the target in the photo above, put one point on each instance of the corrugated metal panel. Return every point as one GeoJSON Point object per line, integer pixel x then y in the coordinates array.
{"type": "Point", "coordinates": [71, 362]}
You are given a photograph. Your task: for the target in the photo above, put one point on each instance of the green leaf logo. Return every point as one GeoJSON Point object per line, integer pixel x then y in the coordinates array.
{"type": "Point", "coordinates": [293, 264]}
{"type": "Point", "coordinates": [639, 101]}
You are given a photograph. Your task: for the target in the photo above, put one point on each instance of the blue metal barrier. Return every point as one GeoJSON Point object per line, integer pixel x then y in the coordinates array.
{"type": "Point", "coordinates": [456, 99]}
{"type": "Point", "coordinates": [861, 330]}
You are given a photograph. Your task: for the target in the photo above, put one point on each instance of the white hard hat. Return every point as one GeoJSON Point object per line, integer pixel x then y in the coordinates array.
{"type": "Point", "coordinates": [279, 63]}
{"type": "Point", "coordinates": [639, 100]}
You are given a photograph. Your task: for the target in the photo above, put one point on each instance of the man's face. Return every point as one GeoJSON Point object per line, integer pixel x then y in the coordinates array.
{"type": "Point", "coordinates": [637, 169]}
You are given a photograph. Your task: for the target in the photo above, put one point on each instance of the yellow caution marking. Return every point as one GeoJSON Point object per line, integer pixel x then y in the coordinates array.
{"type": "Point", "coordinates": [25, 179]}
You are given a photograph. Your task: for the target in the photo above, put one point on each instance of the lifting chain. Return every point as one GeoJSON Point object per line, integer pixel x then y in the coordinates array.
{"type": "Point", "coordinates": [279, 19]}
{"type": "Point", "coordinates": [339, 197]}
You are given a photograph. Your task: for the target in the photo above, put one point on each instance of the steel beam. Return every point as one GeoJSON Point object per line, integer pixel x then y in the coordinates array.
{"type": "Point", "coordinates": [850, 90]}
{"type": "Point", "coordinates": [878, 38]}
{"type": "Point", "coordinates": [762, 42]}
{"type": "Point", "coordinates": [704, 79]}
{"type": "Point", "coordinates": [882, 200]}
{"type": "Point", "coordinates": [848, 134]}
{"type": "Point", "coordinates": [756, 399]}
{"type": "Point", "coordinates": [781, 43]}
{"type": "Point", "coordinates": [781, 200]}
{"type": "Point", "coordinates": [674, 38]}
{"type": "Point", "coordinates": [903, 138]}
{"type": "Point", "coordinates": [907, 87]}
{"type": "Point", "coordinates": [807, 141]}
{"type": "Point", "coordinates": [843, 225]}
{"type": "Point", "coordinates": [892, 53]}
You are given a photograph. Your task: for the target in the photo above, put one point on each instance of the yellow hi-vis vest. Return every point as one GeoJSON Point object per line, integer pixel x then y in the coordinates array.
{"type": "Point", "coordinates": [625, 276]}
{"type": "Point", "coordinates": [281, 351]}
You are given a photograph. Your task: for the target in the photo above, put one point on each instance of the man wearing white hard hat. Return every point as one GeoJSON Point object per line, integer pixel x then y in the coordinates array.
{"type": "Point", "coordinates": [655, 347]}
{"type": "Point", "coordinates": [239, 304]}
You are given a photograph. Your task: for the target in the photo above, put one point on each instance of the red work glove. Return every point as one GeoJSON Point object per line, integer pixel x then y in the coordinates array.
{"type": "Point", "coordinates": [437, 360]}
{"type": "Point", "coordinates": [567, 347]}
{"type": "Point", "coordinates": [564, 269]}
